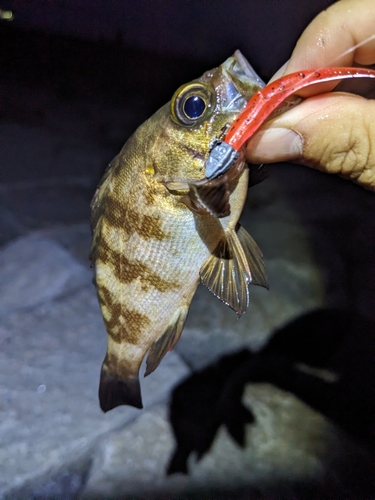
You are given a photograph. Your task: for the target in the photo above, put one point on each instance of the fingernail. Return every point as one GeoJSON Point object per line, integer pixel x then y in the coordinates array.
{"type": "Point", "coordinates": [276, 144]}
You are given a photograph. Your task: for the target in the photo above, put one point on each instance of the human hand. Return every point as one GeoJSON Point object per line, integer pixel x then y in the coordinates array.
{"type": "Point", "coordinates": [332, 132]}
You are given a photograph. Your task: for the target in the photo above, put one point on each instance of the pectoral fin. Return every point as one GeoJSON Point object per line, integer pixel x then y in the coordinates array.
{"type": "Point", "coordinates": [210, 199]}
{"type": "Point", "coordinates": [204, 197]}
{"type": "Point", "coordinates": [167, 340]}
{"type": "Point", "coordinates": [208, 196]}
{"type": "Point", "coordinates": [235, 263]}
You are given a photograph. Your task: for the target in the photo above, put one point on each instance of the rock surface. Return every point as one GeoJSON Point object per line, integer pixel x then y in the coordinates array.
{"type": "Point", "coordinates": [50, 360]}
{"type": "Point", "coordinates": [35, 270]}
{"type": "Point", "coordinates": [289, 443]}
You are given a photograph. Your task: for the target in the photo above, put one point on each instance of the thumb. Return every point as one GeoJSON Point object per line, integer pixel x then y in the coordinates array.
{"type": "Point", "coordinates": [332, 132]}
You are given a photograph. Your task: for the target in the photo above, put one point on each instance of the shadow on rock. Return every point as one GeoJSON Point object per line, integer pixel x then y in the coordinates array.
{"type": "Point", "coordinates": [326, 358]}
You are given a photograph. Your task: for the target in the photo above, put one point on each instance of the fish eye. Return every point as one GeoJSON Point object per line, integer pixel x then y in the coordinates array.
{"type": "Point", "coordinates": [194, 107]}
{"type": "Point", "coordinates": [192, 103]}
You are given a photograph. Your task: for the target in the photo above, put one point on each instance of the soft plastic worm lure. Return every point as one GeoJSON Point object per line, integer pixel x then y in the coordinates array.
{"type": "Point", "coordinates": [262, 104]}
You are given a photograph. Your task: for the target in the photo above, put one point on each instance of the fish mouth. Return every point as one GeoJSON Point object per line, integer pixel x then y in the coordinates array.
{"type": "Point", "coordinates": [241, 82]}
{"type": "Point", "coordinates": [242, 69]}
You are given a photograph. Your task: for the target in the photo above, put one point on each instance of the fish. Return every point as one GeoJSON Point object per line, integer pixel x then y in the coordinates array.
{"type": "Point", "coordinates": [160, 228]}
{"type": "Point", "coordinates": [265, 104]}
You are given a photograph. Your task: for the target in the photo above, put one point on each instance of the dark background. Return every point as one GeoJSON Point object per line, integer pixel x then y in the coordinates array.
{"type": "Point", "coordinates": [120, 49]}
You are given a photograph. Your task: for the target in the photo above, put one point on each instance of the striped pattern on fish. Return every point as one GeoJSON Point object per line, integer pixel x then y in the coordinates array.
{"type": "Point", "coordinates": [158, 231]}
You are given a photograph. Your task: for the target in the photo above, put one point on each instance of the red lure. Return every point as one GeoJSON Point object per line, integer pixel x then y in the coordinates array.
{"type": "Point", "coordinates": [262, 104]}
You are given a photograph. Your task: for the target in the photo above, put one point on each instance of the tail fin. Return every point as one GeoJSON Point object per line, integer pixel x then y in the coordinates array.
{"type": "Point", "coordinates": [115, 391]}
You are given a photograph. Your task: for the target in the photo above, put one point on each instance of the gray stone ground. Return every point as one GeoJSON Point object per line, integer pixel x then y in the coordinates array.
{"type": "Point", "coordinates": [318, 237]}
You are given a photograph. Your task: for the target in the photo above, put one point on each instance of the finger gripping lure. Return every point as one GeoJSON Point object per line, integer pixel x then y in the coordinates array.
{"type": "Point", "coordinates": [262, 104]}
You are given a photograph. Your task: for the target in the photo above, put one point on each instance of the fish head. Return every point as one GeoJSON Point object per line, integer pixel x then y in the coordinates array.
{"type": "Point", "coordinates": [198, 115]}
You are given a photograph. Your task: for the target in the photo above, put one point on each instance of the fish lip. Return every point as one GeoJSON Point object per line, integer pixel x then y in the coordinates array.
{"type": "Point", "coordinates": [244, 68]}
{"type": "Point", "coordinates": [239, 82]}
{"type": "Point", "coordinates": [239, 68]}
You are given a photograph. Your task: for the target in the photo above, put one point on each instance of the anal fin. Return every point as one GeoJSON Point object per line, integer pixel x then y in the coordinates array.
{"type": "Point", "coordinates": [166, 341]}
{"type": "Point", "coordinates": [224, 273]}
